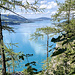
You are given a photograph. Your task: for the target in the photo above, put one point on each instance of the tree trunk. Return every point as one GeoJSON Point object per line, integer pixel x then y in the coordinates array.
{"type": "Point", "coordinates": [2, 50]}
{"type": "Point", "coordinates": [47, 52]}
{"type": "Point", "coordinates": [13, 64]}
{"type": "Point", "coordinates": [47, 49]}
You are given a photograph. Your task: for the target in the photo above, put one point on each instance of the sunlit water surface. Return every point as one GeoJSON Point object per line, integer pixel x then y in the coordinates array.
{"type": "Point", "coordinates": [22, 36]}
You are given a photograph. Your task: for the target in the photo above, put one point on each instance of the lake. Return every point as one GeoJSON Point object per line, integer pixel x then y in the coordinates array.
{"type": "Point", "coordinates": [22, 36]}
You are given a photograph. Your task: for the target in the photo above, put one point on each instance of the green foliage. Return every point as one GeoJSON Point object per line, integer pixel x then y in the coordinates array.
{"type": "Point", "coordinates": [59, 51]}
{"type": "Point", "coordinates": [11, 5]}
{"type": "Point", "coordinates": [33, 63]}
{"type": "Point", "coordinates": [8, 73]}
{"type": "Point", "coordinates": [42, 32]}
{"type": "Point", "coordinates": [10, 29]}
{"type": "Point", "coordinates": [8, 4]}
{"type": "Point", "coordinates": [63, 59]}
{"type": "Point", "coordinates": [11, 56]}
{"type": "Point", "coordinates": [21, 57]}
{"type": "Point", "coordinates": [30, 70]}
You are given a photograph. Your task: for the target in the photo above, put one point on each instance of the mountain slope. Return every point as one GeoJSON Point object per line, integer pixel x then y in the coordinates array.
{"type": "Point", "coordinates": [40, 19]}
{"type": "Point", "coordinates": [13, 19]}
{"type": "Point", "coordinates": [16, 20]}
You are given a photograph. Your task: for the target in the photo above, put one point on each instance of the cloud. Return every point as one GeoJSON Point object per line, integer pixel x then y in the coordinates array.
{"type": "Point", "coordinates": [7, 12]}
{"type": "Point", "coordinates": [43, 6]}
{"type": "Point", "coordinates": [43, 2]}
{"type": "Point", "coordinates": [30, 1]}
{"type": "Point", "coordinates": [18, 12]}
{"type": "Point", "coordinates": [49, 5]}
{"type": "Point", "coordinates": [52, 13]}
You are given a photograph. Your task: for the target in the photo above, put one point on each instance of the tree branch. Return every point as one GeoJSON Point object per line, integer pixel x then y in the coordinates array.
{"type": "Point", "coordinates": [11, 11]}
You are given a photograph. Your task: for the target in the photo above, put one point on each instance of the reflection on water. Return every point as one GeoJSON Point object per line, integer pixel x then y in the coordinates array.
{"type": "Point", "coordinates": [22, 36]}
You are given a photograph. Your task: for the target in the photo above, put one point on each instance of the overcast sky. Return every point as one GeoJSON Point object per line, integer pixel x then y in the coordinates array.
{"type": "Point", "coordinates": [50, 5]}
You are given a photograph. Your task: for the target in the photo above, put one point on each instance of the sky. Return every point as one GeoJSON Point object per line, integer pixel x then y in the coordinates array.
{"type": "Point", "coordinates": [50, 5]}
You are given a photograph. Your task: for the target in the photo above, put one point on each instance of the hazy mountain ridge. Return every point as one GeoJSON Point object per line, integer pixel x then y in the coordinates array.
{"type": "Point", "coordinates": [44, 18]}
{"type": "Point", "coordinates": [13, 19]}
{"type": "Point", "coordinates": [40, 19]}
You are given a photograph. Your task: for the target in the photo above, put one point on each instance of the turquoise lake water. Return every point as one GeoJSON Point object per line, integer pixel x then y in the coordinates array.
{"type": "Point", "coordinates": [22, 36]}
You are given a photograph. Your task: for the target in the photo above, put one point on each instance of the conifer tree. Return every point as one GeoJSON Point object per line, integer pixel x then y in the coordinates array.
{"type": "Point", "coordinates": [42, 32]}
{"type": "Point", "coordinates": [65, 19]}
{"type": "Point", "coordinates": [11, 57]}
{"type": "Point", "coordinates": [7, 5]}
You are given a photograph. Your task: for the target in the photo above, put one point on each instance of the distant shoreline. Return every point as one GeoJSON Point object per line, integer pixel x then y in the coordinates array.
{"type": "Point", "coordinates": [16, 20]}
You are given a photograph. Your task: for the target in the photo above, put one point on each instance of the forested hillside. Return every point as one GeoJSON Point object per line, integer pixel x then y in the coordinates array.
{"type": "Point", "coordinates": [13, 19]}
